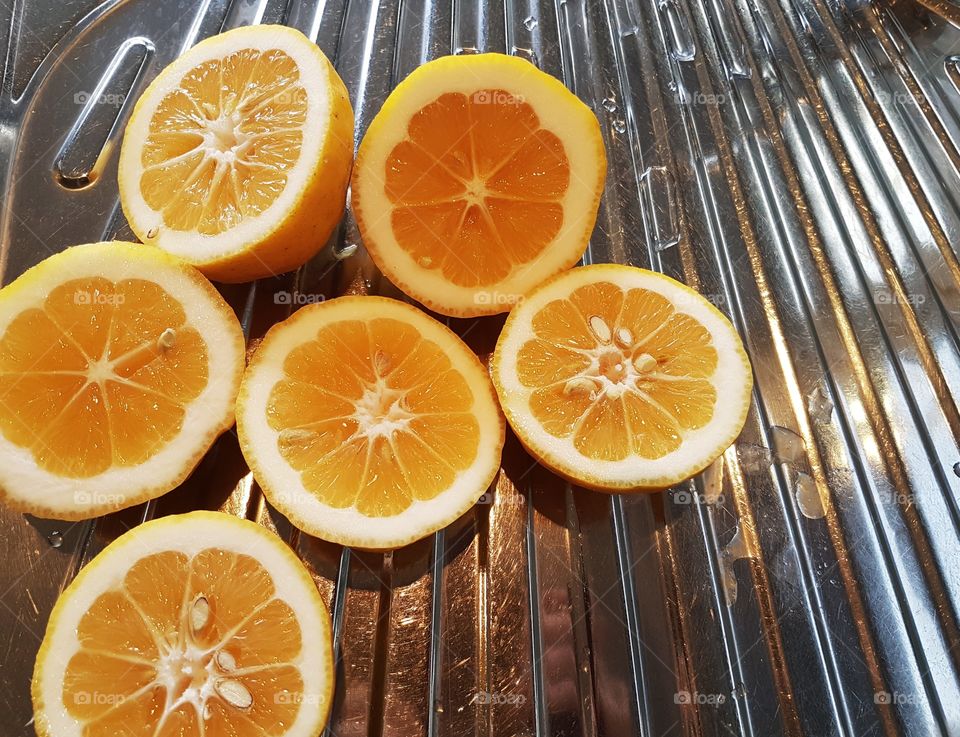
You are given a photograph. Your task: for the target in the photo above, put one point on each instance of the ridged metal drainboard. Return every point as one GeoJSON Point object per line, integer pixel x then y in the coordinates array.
{"type": "Point", "coordinates": [794, 160]}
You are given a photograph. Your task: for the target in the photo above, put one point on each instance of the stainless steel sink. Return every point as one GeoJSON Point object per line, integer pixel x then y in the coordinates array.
{"type": "Point", "coordinates": [794, 160]}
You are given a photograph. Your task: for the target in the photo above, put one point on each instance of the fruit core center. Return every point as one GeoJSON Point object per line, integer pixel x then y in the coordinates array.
{"type": "Point", "coordinates": [186, 671]}
{"type": "Point", "coordinates": [191, 673]}
{"type": "Point", "coordinates": [617, 364]}
{"type": "Point", "coordinates": [380, 410]}
{"type": "Point", "coordinates": [476, 190]}
{"type": "Point", "coordinates": [222, 134]}
{"type": "Point", "coordinates": [613, 366]}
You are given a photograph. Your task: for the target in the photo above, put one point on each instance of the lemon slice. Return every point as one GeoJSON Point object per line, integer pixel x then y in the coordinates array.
{"type": "Point", "coordinates": [190, 625]}
{"type": "Point", "coordinates": [478, 179]}
{"type": "Point", "coordinates": [368, 423]}
{"type": "Point", "coordinates": [119, 366]}
{"type": "Point", "coordinates": [622, 379]}
{"type": "Point", "coordinates": [236, 157]}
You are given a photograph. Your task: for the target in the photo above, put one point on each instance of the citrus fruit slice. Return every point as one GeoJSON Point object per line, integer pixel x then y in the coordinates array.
{"type": "Point", "coordinates": [237, 156]}
{"type": "Point", "coordinates": [368, 423]}
{"type": "Point", "coordinates": [190, 625]}
{"type": "Point", "coordinates": [612, 376]}
{"type": "Point", "coordinates": [479, 178]}
{"type": "Point", "coordinates": [119, 366]}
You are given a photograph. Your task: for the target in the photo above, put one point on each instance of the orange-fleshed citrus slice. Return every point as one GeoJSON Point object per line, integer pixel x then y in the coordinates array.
{"type": "Point", "coordinates": [119, 366]}
{"type": "Point", "coordinates": [622, 379]}
{"type": "Point", "coordinates": [192, 625]}
{"type": "Point", "coordinates": [368, 423]}
{"type": "Point", "coordinates": [237, 156]}
{"type": "Point", "coordinates": [478, 179]}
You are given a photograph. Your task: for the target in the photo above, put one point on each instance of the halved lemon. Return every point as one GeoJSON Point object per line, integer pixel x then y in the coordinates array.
{"type": "Point", "coordinates": [237, 156]}
{"type": "Point", "coordinates": [622, 379]}
{"type": "Point", "coordinates": [478, 179]}
{"type": "Point", "coordinates": [368, 423]}
{"type": "Point", "coordinates": [119, 366]}
{"type": "Point", "coordinates": [195, 624]}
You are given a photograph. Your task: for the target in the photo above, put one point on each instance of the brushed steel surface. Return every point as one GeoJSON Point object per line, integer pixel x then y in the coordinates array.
{"type": "Point", "coordinates": [796, 161]}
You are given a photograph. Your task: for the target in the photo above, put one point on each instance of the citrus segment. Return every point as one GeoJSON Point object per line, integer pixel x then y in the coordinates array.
{"type": "Point", "coordinates": [119, 366]}
{"type": "Point", "coordinates": [610, 375]}
{"type": "Point", "coordinates": [479, 177]}
{"type": "Point", "coordinates": [192, 625]}
{"type": "Point", "coordinates": [217, 164]}
{"type": "Point", "coordinates": [368, 423]}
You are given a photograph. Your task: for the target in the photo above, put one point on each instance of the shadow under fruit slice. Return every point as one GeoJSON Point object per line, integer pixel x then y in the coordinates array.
{"type": "Point", "coordinates": [368, 423]}
{"type": "Point", "coordinates": [195, 624]}
{"type": "Point", "coordinates": [622, 379]}
{"type": "Point", "coordinates": [119, 367]}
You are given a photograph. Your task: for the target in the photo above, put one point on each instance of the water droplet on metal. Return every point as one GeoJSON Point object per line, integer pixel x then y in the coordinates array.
{"type": "Point", "coordinates": [788, 445]}
{"type": "Point", "coordinates": [734, 551]}
{"type": "Point", "coordinates": [609, 104]}
{"type": "Point", "coordinates": [754, 457]}
{"type": "Point", "coordinates": [523, 53]}
{"type": "Point", "coordinates": [55, 539]}
{"type": "Point", "coordinates": [956, 468]}
{"type": "Point", "coordinates": [530, 23]}
{"type": "Point", "coordinates": [819, 405]}
{"type": "Point", "coordinates": [619, 125]}
{"type": "Point", "coordinates": [345, 251]}
{"type": "Point", "coordinates": [666, 245]}
{"type": "Point", "coordinates": [713, 482]}
{"type": "Point", "coordinates": [808, 497]}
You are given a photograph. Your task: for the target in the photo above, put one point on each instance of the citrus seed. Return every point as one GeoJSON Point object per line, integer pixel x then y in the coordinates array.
{"type": "Point", "coordinates": [199, 614]}
{"type": "Point", "coordinates": [226, 661]}
{"type": "Point", "coordinates": [234, 693]}
{"type": "Point", "coordinates": [167, 338]}
{"type": "Point", "coordinates": [644, 363]}
{"type": "Point", "coordinates": [600, 328]}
